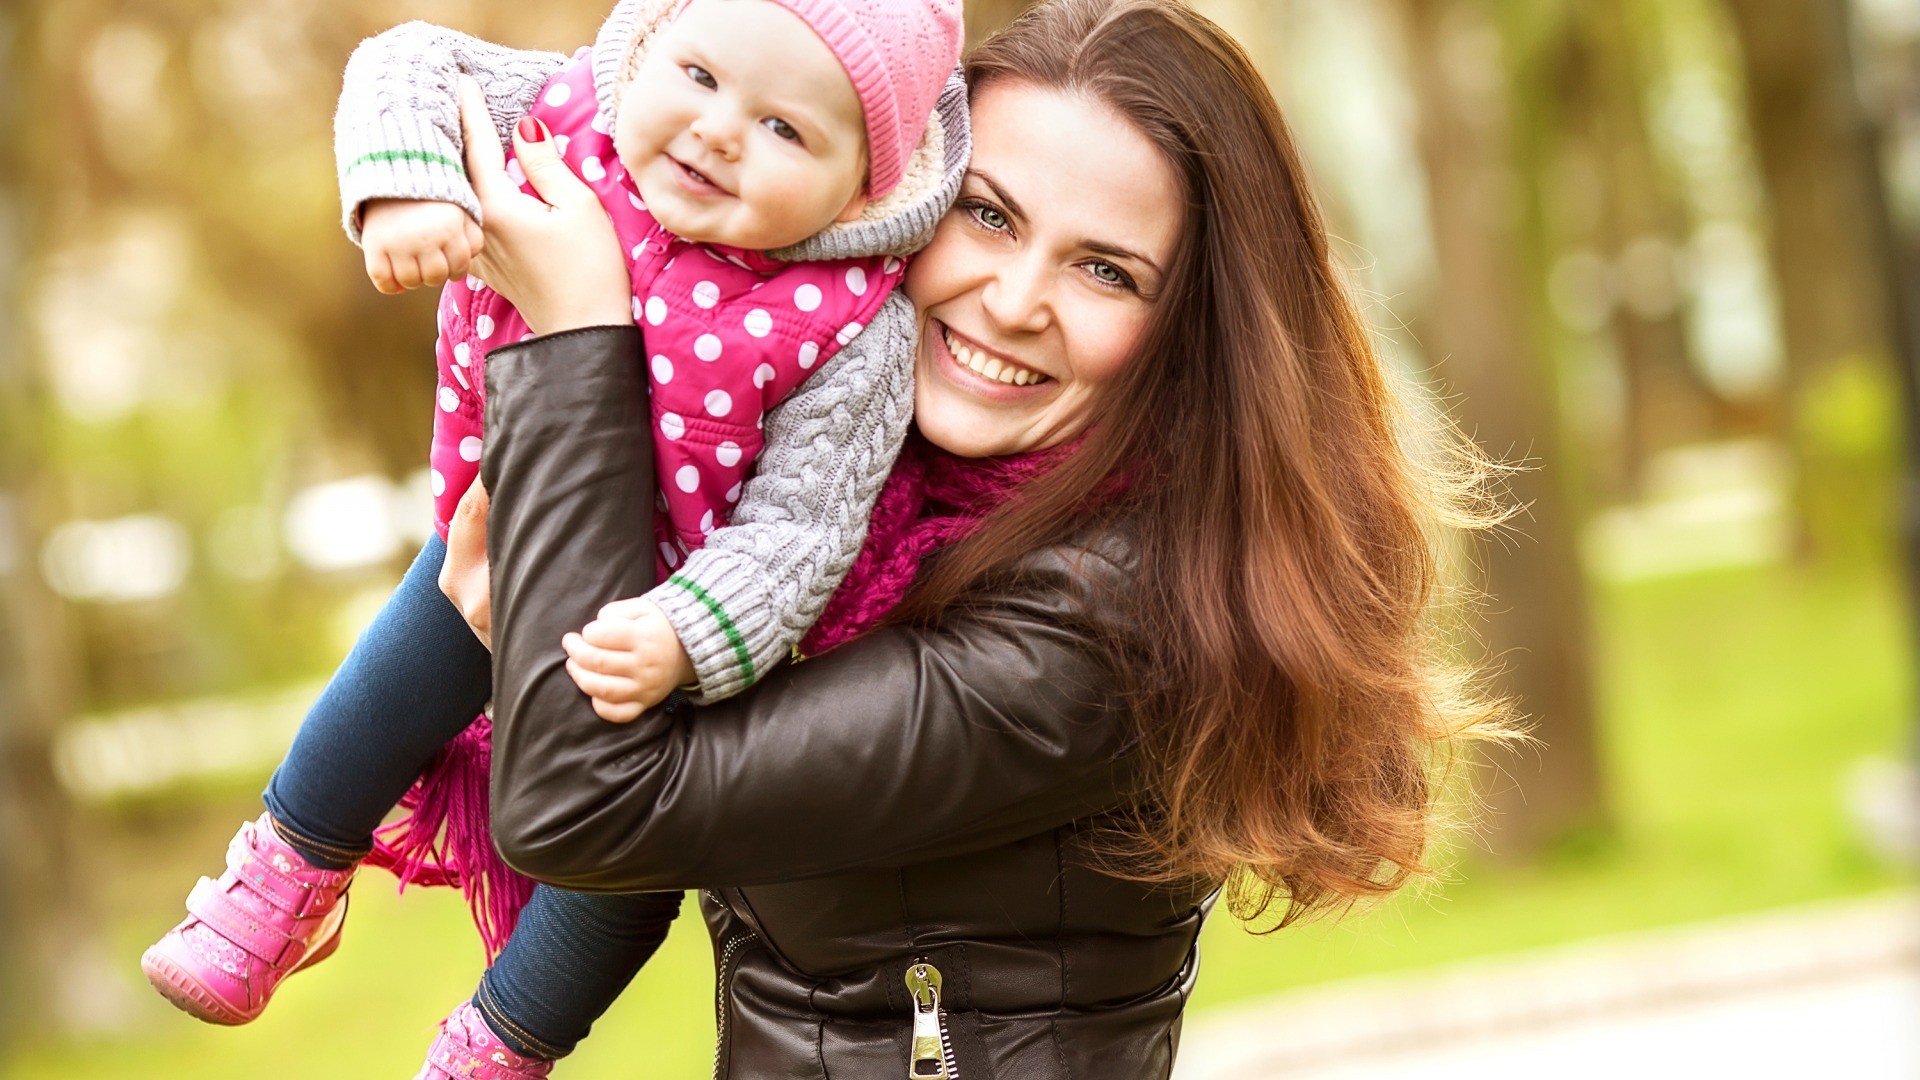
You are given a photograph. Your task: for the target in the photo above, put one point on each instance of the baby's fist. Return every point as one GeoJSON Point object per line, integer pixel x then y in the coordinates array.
{"type": "Point", "coordinates": [627, 660]}
{"type": "Point", "coordinates": [413, 242]}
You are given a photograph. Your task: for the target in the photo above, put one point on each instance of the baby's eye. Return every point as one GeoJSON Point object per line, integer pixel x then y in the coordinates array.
{"type": "Point", "coordinates": [781, 128]}
{"type": "Point", "coordinates": [702, 76]}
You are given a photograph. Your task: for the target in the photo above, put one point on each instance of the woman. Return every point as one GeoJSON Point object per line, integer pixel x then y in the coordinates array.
{"type": "Point", "coordinates": [1184, 646]}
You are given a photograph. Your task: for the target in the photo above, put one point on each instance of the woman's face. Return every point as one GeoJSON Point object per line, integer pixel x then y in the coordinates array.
{"type": "Point", "coordinates": [1038, 282]}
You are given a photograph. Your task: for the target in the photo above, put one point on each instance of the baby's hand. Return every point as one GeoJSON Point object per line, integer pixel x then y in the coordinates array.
{"type": "Point", "coordinates": [628, 659]}
{"type": "Point", "coordinates": [413, 242]}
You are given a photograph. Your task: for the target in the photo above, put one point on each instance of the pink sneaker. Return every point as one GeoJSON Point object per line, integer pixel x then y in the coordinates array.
{"type": "Point", "coordinates": [270, 914]}
{"type": "Point", "coordinates": [466, 1049]}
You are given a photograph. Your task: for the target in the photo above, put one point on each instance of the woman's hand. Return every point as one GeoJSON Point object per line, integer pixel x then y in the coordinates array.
{"type": "Point", "coordinates": [627, 659]}
{"type": "Point", "coordinates": [465, 577]}
{"type": "Point", "coordinates": [557, 262]}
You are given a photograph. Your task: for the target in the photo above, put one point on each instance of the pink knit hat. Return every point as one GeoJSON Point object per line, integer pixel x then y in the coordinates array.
{"type": "Point", "coordinates": [898, 53]}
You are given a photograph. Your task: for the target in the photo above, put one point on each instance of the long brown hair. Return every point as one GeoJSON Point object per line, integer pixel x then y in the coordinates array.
{"type": "Point", "coordinates": [1289, 684]}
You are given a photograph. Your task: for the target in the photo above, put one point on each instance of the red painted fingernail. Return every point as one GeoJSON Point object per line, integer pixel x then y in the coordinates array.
{"type": "Point", "coordinates": [532, 130]}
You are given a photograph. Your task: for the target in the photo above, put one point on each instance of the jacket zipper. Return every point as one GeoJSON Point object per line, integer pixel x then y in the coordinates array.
{"type": "Point", "coordinates": [932, 1055]}
{"type": "Point", "coordinates": [720, 997]}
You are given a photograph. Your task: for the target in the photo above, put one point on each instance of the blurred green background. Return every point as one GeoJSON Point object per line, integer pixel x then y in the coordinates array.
{"type": "Point", "coordinates": [1665, 251]}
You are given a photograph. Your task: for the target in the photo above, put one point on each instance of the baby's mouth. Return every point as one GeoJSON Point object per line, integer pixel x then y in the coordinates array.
{"type": "Point", "coordinates": [698, 178]}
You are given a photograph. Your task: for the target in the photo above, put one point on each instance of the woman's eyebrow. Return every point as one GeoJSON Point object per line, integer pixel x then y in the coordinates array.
{"type": "Point", "coordinates": [999, 192]}
{"type": "Point", "coordinates": [1112, 251]}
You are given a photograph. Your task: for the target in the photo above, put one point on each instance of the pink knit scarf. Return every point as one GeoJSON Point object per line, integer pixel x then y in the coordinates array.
{"type": "Point", "coordinates": [930, 500]}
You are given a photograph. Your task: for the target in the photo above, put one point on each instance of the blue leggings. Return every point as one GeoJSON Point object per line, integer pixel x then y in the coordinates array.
{"type": "Point", "coordinates": [415, 679]}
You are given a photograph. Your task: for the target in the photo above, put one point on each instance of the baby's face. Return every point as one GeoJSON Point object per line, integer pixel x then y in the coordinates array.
{"type": "Point", "coordinates": [741, 128]}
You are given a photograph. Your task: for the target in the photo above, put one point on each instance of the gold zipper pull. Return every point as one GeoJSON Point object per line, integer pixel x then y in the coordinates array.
{"type": "Point", "coordinates": [929, 1059]}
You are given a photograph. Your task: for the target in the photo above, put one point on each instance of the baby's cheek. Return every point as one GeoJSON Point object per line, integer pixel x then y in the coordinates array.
{"type": "Point", "coordinates": [626, 148]}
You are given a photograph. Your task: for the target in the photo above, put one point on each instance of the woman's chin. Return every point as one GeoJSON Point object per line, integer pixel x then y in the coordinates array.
{"type": "Point", "coordinates": [966, 429]}
{"type": "Point", "coordinates": [974, 429]}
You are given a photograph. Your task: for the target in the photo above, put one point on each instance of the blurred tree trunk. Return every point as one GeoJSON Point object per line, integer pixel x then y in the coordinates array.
{"type": "Point", "coordinates": [1820, 176]}
{"type": "Point", "coordinates": [986, 16]}
{"type": "Point", "coordinates": [1897, 252]}
{"type": "Point", "coordinates": [1479, 328]}
{"type": "Point", "coordinates": [1642, 228]}
{"type": "Point", "coordinates": [54, 972]}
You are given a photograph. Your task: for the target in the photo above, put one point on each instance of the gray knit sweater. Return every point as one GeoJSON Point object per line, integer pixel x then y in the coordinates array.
{"type": "Point", "coordinates": [761, 581]}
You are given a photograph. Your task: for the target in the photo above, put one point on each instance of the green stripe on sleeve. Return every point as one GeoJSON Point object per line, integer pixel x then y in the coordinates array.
{"type": "Point", "coordinates": [425, 156]}
{"type": "Point", "coordinates": [726, 624]}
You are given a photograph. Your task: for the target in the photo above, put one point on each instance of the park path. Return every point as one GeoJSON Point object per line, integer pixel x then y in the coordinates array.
{"type": "Point", "coordinates": [1830, 990]}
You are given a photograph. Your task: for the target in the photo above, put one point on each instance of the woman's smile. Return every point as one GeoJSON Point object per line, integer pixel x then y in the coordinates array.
{"type": "Point", "coordinates": [983, 371]}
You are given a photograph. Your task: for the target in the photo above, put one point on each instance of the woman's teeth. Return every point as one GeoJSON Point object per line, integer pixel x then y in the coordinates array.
{"type": "Point", "coordinates": [992, 367]}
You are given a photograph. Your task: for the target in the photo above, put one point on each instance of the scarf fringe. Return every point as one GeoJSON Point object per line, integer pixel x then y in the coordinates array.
{"type": "Point", "coordinates": [445, 839]}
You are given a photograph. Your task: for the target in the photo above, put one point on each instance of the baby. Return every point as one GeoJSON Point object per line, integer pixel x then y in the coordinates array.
{"type": "Point", "coordinates": [767, 164]}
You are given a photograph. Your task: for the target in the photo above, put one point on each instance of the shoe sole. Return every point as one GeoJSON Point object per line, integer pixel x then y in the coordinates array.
{"type": "Point", "coordinates": [191, 996]}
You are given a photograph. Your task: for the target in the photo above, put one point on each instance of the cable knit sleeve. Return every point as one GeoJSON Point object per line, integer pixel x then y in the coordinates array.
{"type": "Point", "coordinates": [743, 601]}
{"type": "Point", "coordinates": [396, 134]}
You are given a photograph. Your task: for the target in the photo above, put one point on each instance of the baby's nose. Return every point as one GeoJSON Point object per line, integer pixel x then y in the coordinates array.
{"type": "Point", "coordinates": [720, 132]}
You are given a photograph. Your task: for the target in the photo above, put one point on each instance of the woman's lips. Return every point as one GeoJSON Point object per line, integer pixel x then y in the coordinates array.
{"type": "Point", "coordinates": [982, 372]}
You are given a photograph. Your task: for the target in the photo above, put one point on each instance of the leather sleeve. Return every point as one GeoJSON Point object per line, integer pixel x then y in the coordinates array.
{"type": "Point", "coordinates": [906, 745]}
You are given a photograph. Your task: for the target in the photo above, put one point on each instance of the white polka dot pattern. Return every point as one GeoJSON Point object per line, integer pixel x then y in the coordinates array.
{"type": "Point", "coordinates": [726, 337]}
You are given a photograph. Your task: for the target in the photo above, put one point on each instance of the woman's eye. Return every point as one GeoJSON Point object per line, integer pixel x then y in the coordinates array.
{"type": "Point", "coordinates": [1108, 274]}
{"type": "Point", "coordinates": [782, 128]}
{"type": "Point", "coordinates": [702, 76]}
{"type": "Point", "coordinates": [989, 216]}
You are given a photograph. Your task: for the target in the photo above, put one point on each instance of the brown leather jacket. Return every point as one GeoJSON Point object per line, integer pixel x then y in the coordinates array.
{"type": "Point", "coordinates": [891, 840]}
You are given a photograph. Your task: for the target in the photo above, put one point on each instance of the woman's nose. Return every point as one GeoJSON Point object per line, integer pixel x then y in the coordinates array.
{"type": "Point", "coordinates": [1017, 296]}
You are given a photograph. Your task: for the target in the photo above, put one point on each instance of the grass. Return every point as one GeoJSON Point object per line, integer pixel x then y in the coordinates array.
{"type": "Point", "coordinates": [1734, 705]}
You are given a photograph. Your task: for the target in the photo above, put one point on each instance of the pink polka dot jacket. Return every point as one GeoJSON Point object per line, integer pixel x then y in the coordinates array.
{"type": "Point", "coordinates": [729, 334]}
{"type": "Point", "coordinates": [781, 383]}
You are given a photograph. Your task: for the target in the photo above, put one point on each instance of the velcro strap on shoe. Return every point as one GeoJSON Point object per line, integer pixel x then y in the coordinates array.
{"type": "Point", "coordinates": [279, 888]}
{"type": "Point", "coordinates": [296, 898]}
{"type": "Point", "coordinates": [210, 903]}
{"type": "Point", "coordinates": [454, 1059]}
